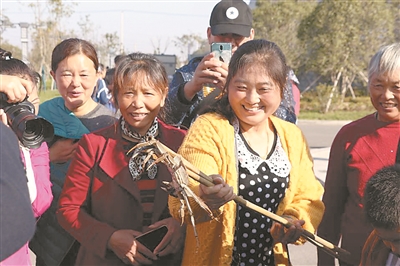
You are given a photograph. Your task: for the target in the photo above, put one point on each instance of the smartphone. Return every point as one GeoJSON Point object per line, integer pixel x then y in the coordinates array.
{"type": "Point", "coordinates": [222, 50]}
{"type": "Point", "coordinates": [152, 238]}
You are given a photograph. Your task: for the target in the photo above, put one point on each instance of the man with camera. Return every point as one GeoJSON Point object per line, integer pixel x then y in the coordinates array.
{"type": "Point", "coordinates": [17, 223]}
{"type": "Point", "coordinates": [230, 22]}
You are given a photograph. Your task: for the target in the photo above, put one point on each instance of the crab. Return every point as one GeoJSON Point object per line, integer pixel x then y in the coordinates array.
{"type": "Point", "coordinates": [179, 186]}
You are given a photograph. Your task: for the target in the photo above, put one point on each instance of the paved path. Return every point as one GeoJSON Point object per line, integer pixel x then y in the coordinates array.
{"type": "Point", "coordinates": [319, 135]}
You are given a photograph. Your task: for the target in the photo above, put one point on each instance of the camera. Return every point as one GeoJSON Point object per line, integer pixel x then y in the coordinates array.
{"type": "Point", "coordinates": [30, 129]}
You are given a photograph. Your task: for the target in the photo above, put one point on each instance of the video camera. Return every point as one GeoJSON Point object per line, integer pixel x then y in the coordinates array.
{"type": "Point", "coordinates": [30, 129]}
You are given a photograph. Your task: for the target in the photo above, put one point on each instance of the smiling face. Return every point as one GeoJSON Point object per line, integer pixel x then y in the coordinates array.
{"type": "Point", "coordinates": [76, 78]}
{"type": "Point", "coordinates": [385, 95]}
{"type": "Point", "coordinates": [253, 96]}
{"type": "Point", "coordinates": [140, 101]}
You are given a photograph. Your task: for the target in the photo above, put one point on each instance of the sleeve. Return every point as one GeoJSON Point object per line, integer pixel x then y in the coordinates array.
{"type": "Point", "coordinates": [177, 107]}
{"type": "Point", "coordinates": [306, 203]}
{"type": "Point", "coordinates": [73, 211]}
{"type": "Point", "coordinates": [17, 223]}
{"type": "Point", "coordinates": [41, 169]}
{"type": "Point", "coordinates": [102, 93]}
{"type": "Point", "coordinates": [201, 149]}
{"type": "Point", "coordinates": [286, 109]}
{"type": "Point", "coordinates": [335, 196]}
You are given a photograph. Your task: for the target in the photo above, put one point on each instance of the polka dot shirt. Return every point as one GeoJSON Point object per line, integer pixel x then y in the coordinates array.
{"type": "Point", "coordinates": [262, 182]}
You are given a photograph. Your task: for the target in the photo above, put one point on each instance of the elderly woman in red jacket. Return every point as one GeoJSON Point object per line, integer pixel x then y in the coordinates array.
{"type": "Point", "coordinates": [109, 198]}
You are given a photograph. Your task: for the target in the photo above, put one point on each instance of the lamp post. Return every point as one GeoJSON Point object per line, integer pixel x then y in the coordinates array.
{"type": "Point", "coordinates": [24, 40]}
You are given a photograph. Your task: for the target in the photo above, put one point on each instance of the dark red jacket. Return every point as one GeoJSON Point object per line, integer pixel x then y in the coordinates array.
{"type": "Point", "coordinates": [100, 197]}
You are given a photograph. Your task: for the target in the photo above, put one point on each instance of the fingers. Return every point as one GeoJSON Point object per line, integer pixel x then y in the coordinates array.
{"type": "Point", "coordinates": [217, 195]}
{"type": "Point", "coordinates": [15, 88]}
{"type": "Point", "coordinates": [3, 117]}
{"type": "Point", "coordinates": [211, 70]}
{"type": "Point", "coordinates": [287, 235]}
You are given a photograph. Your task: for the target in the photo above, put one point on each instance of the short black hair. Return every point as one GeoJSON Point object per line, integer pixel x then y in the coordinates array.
{"type": "Point", "coordinates": [382, 198]}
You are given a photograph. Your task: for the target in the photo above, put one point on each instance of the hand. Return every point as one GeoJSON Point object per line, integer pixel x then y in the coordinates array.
{"type": "Point", "coordinates": [130, 251]}
{"type": "Point", "coordinates": [287, 235]}
{"type": "Point", "coordinates": [173, 240]}
{"type": "Point", "coordinates": [62, 150]}
{"type": "Point", "coordinates": [217, 195]}
{"type": "Point", "coordinates": [210, 70]}
{"type": "Point", "coordinates": [15, 88]}
{"type": "Point", "coordinates": [3, 117]}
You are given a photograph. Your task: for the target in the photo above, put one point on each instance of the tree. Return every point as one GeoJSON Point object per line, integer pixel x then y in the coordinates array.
{"type": "Point", "coordinates": [48, 31]}
{"type": "Point", "coordinates": [111, 46]}
{"type": "Point", "coordinates": [187, 43]}
{"type": "Point", "coordinates": [157, 46]}
{"type": "Point", "coordinates": [5, 23]}
{"type": "Point", "coordinates": [340, 37]}
{"type": "Point", "coordinates": [278, 21]}
{"type": "Point", "coordinates": [16, 51]}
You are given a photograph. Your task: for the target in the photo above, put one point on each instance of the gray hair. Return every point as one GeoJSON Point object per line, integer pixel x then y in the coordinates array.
{"type": "Point", "coordinates": [385, 61]}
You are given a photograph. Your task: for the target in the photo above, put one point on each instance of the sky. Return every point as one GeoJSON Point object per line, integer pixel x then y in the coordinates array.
{"type": "Point", "coordinates": [143, 25]}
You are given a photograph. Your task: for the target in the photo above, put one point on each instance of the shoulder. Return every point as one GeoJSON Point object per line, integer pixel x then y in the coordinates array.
{"type": "Point", "coordinates": [213, 119]}
{"type": "Point", "coordinates": [109, 131]}
{"type": "Point", "coordinates": [286, 128]}
{"type": "Point", "coordinates": [51, 105]}
{"type": "Point", "coordinates": [8, 139]}
{"type": "Point", "coordinates": [209, 125]}
{"type": "Point", "coordinates": [170, 135]}
{"type": "Point", "coordinates": [191, 66]}
{"type": "Point", "coordinates": [357, 128]}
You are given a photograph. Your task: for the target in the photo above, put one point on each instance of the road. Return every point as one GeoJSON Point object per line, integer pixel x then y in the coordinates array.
{"type": "Point", "coordinates": [319, 135]}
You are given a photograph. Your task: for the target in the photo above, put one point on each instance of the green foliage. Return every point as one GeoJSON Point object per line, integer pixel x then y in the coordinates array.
{"type": "Point", "coordinates": [345, 34]}
{"type": "Point", "coordinates": [350, 109]}
{"type": "Point", "coordinates": [47, 95]}
{"type": "Point", "coordinates": [16, 51]}
{"type": "Point", "coordinates": [186, 43]}
{"type": "Point", "coordinates": [278, 21]}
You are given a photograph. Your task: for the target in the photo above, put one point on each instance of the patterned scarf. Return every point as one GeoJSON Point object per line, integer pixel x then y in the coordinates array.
{"type": "Point", "coordinates": [136, 164]}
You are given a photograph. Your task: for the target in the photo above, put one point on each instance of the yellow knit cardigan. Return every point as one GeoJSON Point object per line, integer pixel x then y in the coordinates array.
{"type": "Point", "coordinates": [210, 146]}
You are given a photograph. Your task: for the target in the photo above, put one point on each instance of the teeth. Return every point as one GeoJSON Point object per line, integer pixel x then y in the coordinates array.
{"type": "Point", "coordinates": [138, 115]}
{"type": "Point", "coordinates": [252, 109]}
{"type": "Point", "coordinates": [388, 105]}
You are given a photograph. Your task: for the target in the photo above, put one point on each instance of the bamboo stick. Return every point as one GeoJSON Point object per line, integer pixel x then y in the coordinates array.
{"type": "Point", "coordinates": [204, 179]}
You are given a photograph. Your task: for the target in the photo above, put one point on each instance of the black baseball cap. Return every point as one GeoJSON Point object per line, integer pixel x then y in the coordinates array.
{"type": "Point", "coordinates": [231, 16]}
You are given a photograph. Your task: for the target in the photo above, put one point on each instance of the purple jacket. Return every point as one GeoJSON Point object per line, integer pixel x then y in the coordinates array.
{"type": "Point", "coordinates": [41, 170]}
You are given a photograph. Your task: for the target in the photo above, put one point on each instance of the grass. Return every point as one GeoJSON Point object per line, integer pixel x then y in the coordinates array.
{"type": "Point", "coordinates": [334, 115]}
{"type": "Point", "coordinates": [45, 95]}
{"type": "Point", "coordinates": [310, 107]}
{"type": "Point", "coordinates": [350, 109]}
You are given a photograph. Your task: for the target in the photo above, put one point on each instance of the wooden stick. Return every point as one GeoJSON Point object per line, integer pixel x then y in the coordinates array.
{"type": "Point", "coordinates": [204, 179]}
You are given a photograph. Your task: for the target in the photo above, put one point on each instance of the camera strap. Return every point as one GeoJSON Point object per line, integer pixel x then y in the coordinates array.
{"type": "Point", "coordinates": [29, 173]}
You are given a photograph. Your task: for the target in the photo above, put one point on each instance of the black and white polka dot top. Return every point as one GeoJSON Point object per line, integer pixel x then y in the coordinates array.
{"type": "Point", "coordinates": [264, 183]}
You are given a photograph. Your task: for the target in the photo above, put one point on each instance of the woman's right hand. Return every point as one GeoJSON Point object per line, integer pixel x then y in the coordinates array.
{"type": "Point", "coordinates": [217, 195]}
{"type": "Point", "coordinates": [123, 243]}
{"type": "Point", "coordinates": [62, 150]}
{"type": "Point", "coordinates": [15, 88]}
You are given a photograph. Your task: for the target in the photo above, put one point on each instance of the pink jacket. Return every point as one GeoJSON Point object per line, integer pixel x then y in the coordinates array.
{"type": "Point", "coordinates": [41, 169]}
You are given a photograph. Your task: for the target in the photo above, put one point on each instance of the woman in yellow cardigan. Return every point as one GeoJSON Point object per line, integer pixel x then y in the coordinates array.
{"type": "Point", "coordinates": [249, 152]}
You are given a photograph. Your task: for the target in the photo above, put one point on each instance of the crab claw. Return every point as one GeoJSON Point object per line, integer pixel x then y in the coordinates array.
{"type": "Point", "coordinates": [169, 189]}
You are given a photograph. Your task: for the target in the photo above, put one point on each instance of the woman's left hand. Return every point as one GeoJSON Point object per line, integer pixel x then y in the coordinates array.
{"type": "Point", "coordinates": [173, 240]}
{"type": "Point", "coordinates": [287, 235]}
